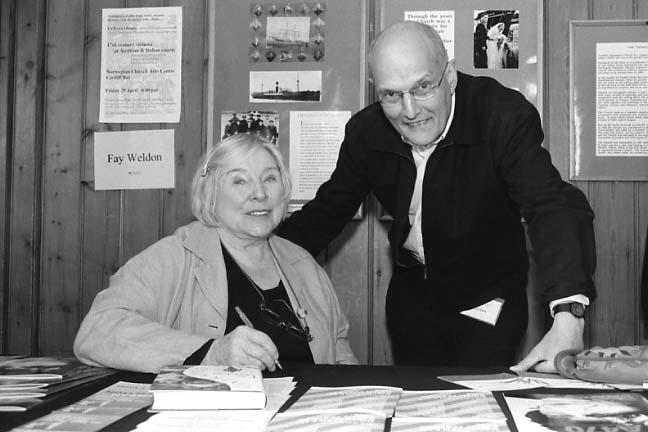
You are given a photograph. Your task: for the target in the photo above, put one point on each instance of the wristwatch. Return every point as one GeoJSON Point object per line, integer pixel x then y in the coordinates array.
{"type": "Point", "coordinates": [575, 308]}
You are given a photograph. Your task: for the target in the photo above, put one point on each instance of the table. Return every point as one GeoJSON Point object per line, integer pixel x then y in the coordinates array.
{"type": "Point", "coordinates": [406, 377]}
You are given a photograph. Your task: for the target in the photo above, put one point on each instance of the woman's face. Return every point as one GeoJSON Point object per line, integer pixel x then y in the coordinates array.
{"type": "Point", "coordinates": [250, 197]}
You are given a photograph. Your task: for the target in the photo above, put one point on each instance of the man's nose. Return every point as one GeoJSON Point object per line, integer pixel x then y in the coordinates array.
{"type": "Point", "coordinates": [410, 105]}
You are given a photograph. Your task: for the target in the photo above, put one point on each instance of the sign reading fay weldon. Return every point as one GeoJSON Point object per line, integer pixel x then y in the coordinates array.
{"type": "Point", "coordinates": [142, 159]}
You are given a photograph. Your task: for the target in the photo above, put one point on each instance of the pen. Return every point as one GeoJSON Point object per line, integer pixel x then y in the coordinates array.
{"type": "Point", "coordinates": [248, 323]}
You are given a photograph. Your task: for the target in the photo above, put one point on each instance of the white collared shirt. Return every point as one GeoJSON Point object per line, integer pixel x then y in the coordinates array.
{"type": "Point", "coordinates": [414, 241]}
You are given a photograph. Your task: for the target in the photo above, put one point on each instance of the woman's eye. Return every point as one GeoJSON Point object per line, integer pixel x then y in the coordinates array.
{"type": "Point", "coordinates": [270, 179]}
{"type": "Point", "coordinates": [238, 181]}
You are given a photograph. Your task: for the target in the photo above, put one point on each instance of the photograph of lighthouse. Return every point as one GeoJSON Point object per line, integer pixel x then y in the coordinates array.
{"type": "Point", "coordinates": [285, 86]}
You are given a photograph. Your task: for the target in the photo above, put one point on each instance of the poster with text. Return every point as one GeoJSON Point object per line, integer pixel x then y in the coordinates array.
{"type": "Point", "coordinates": [141, 65]}
{"type": "Point", "coordinates": [315, 138]}
{"type": "Point", "coordinates": [622, 99]}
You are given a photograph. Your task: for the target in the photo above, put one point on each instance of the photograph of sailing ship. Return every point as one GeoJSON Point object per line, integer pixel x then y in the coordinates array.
{"type": "Point", "coordinates": [281, 32]}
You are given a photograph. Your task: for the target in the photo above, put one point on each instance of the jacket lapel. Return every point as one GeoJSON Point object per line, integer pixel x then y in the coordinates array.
{"type": "Point", "coordinates": [204, 243]}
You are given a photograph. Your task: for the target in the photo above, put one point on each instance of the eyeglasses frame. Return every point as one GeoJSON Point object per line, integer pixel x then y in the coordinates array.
{"type": "Point", "coordinates": [433, 91]}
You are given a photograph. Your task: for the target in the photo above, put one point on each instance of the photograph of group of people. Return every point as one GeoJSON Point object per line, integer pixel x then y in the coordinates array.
{"type": "Point", "coordinates": [262, 123]}
{"type": "Point", "coordinates": [496, 37]}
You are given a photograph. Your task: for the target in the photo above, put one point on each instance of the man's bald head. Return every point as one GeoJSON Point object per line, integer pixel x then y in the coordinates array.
{"type": "Point", "coordinates": [407, 37]}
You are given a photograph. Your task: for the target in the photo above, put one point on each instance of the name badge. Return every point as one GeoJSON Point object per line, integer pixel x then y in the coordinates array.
{"type": "Point", "coordinates": [488, 312]}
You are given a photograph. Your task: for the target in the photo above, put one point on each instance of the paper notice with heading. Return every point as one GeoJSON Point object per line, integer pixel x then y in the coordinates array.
{"type": "Point", "coordinates": [622, 99]}
{"type": "Point", "coordinates": [141, 64]}
{"type": "Point", "coordinates": [442, 21]}
{"type": "Point", "coordinates": [142, 159]}
{"type": "Point", "coordinates": [315, 138]}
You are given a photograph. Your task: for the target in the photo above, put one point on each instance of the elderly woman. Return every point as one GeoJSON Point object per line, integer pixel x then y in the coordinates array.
{"type": "Point", "coordinates": [224, 289]}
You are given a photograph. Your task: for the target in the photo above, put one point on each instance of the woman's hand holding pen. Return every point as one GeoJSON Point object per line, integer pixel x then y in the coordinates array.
{"type": "Point", "coordinates": [244, 346]}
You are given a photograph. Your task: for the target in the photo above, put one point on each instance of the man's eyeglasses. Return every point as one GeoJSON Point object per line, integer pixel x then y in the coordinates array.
{"type": "Point", "coordinates": [423, 90]}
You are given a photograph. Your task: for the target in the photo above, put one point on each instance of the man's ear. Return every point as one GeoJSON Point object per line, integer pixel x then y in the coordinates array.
{"type": "Point", "coordinates": [452, 76]}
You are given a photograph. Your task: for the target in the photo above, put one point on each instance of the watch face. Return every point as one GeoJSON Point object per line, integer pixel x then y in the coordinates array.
{"type": "Point", "coordinates": [578, 310]}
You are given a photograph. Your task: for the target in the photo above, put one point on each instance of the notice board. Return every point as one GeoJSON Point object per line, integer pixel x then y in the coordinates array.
{"type": "Point", "coordinates": [609, 100]}
{"type": "Point", "coordinates": [300, 68]}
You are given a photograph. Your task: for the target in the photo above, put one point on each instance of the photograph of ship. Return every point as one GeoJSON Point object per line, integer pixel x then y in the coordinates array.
{"type": "Point", "coordinates": [285, 86]}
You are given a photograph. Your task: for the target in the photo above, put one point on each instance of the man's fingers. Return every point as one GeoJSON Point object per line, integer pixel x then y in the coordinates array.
{"type": "Point", "coordinates": [546, 366]}
{"type": "Point", "coordinates": [526, 363]}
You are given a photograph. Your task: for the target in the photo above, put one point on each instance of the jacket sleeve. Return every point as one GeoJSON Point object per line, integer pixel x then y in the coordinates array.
{"type": "Point", "coordinates": [129, 324]}
{"type": "Point", "coordinates": [337, 200]}
{"type": "Point", "coordinates": [559, 218]}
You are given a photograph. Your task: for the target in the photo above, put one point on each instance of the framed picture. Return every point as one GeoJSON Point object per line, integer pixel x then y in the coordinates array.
{"type": "Point", "coordinates": [608, 86]}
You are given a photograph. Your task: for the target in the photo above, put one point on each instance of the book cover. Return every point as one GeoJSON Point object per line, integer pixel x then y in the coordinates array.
{"type": "Point", "coordinates": [208, 388]}
{"type": "Point", "coordinates": [609, 412]}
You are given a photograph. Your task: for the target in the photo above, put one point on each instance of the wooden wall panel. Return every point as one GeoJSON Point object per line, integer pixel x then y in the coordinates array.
{"type": "Point", "coordinates": [642, 248]}
{"type": "Point", "coordinates": [100, 210]}
{"type": "Point", "coordinates": [24, 224]}
{"type": "Point", "coordinates": [7, 9]}
{"type": "Point", "coordinates": [382, 271]}
{"type": "Point", "coordinates": [60, 253]}
{"type": "Point", "coordinates": [616, 308]}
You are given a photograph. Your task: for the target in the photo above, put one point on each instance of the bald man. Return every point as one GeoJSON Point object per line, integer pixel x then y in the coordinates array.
{"type": "Point", "coordinates": [457, 161]}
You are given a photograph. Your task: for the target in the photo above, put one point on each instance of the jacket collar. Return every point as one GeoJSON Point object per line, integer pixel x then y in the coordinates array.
{"type": "Point", "coordinates": [203, 241]}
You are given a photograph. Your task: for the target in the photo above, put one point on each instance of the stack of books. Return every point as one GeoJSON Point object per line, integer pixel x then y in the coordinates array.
{"type": "Point", "coordinates": [26, 381]}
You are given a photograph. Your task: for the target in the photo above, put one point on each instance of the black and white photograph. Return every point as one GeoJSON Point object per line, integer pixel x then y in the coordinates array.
{"type": "Point", "coordinates": [496, 39]}
{"type": "Point", "coordinates": [281, 32]}
{"type": "Point", "coordinates": [262, 123]}
{"type": "Point", "coordinates": [579, 412]}
{"type": "Point", "coordinates": [350, 195]}
{"type": "Point", "coordinates": [285, 86]}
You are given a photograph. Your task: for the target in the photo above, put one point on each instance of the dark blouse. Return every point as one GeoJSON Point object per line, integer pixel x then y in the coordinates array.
{"type": "Point", "coordinates": [248, 297]}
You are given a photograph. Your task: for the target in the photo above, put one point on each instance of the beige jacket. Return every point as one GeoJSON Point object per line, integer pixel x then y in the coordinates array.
{"type": "Point", "coordinates": [168, 300]}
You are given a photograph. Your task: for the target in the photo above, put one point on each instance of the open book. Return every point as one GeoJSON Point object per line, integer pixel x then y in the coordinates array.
{"type": "Point", "coordinates": [208, 388]}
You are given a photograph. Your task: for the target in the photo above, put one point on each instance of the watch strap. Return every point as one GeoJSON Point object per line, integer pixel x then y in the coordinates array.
{"type": "Point", "coordinates": [575, 308]}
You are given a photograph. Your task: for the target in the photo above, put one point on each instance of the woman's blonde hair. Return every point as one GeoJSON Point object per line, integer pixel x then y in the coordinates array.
{"type": "Point", "coordinates": [233, 149]}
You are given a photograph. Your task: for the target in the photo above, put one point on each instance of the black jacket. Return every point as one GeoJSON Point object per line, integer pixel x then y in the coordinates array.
{"type": "Point", "coordinates": [488, 173]}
